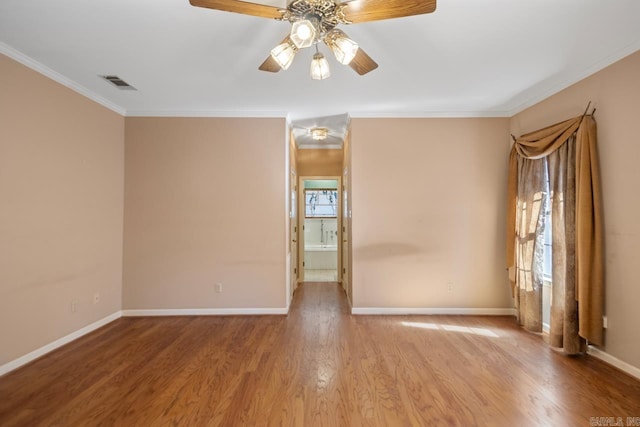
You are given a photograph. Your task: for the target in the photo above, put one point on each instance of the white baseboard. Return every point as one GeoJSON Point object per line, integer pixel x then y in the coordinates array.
{"type": "Point", "coordinates": [29, 357]}
{"type": "Point", "coordinates": [206, 312]}
{"type": "Point", "coordinates": [434, 311]}
{"type": "Point", "coordinates": [614, 361]}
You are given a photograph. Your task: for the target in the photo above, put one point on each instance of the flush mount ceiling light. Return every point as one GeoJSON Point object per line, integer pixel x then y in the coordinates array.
{"type": "Point", "coordinates": [315, 21]}
{"type": "Point", "coordinates": [319, 134]}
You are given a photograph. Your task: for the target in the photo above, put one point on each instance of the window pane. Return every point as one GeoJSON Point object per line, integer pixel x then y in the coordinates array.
{"type": "Point", "coordinates": [320, 203]}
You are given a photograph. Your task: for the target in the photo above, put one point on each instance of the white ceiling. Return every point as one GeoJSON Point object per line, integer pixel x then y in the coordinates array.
{"type": "Point", "coordinates": [469, 58]}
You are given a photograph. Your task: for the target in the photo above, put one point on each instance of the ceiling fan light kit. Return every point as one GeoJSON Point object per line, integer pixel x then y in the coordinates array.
{"type": "Point", "coordinates": [315, 21]}
{"type": "Point", "coordinates": [303, 33]}
{"type": "Point", "coordinates": [283, 54]}
{"type": "Point", "coordinates": [311, 22]}
{"type": "Point", "coordinates": [320, 67]}
{"type": "Point", "coordinates": [343, 48]}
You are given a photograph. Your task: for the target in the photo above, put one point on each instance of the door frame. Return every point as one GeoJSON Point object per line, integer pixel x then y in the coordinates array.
{"type": "Point", "coordinates": [301, 218]}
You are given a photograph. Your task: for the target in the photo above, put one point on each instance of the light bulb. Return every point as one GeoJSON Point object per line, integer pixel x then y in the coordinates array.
{"type": "Point", "coordinates": [303, 32]}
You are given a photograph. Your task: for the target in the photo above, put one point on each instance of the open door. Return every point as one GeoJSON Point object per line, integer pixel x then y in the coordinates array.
{"type": "Point", "coordinates": [319, 228]}
{"type": "Point", "coordinates": [344, 242]}
{"type": "Point", "coordinates": [294, 268]}
{"type": "Point", "coordinates": [293, 223]}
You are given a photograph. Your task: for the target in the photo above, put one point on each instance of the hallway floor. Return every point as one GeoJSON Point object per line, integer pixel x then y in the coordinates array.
{"type": "Point", "coordinates": [320, 275]}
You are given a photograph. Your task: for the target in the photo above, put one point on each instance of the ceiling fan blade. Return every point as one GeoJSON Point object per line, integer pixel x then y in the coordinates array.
{"type": "Point", "coordinates": [270, 65]}
{"type": "Point", "coordinates": [238, 6]}
{"type": "Point", "coordinates": [362, 63]}
{"type": "Point", "coordinates": [375, 10]}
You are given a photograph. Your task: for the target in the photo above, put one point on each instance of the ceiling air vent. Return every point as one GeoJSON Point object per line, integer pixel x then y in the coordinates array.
{"type": "Point", "coordinates": [118, 82]}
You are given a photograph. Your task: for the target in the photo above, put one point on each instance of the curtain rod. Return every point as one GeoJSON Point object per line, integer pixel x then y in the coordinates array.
{"type": "Point", "coordinates": [583, 114]}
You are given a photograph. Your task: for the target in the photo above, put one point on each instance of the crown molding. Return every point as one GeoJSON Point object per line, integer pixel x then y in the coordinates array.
{"type": "Point", "coordinates": [429, 114]}
{"type": "Point", "coordinates": [208, 113]}
{"type": "Point", "coordinates": [539, 95]}
{"type": "Point", "coordinates": [555, 88]}
{"type": "Point", "coordinates": [58, 78]}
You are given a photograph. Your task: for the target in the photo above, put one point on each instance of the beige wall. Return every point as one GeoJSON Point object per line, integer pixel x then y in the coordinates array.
{"type": "Point", "coordinates": [615, 92]}
{"type": "Point", "coordinates": [61, 198]}
{"type": "Point", "coordinates": [204, 204]}
{"type": "Point", "coordinates": [319, 162]}
{"type": "Point", "coordinates": [428, 210]}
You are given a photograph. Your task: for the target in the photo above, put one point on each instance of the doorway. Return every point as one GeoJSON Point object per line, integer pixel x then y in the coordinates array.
{"type": "Point", "coordinates": [321, 199]}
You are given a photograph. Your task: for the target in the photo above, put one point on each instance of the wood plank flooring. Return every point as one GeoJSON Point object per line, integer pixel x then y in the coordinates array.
{"type": "Point", "coordinates": [318, 366]}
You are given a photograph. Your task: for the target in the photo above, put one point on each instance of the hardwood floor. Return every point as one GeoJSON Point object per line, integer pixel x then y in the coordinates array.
{"type": "Point", "coordinates": [319, 366]}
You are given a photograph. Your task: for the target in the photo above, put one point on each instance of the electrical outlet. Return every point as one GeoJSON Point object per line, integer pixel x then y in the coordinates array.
{"type": "Point", "coordinates": [605, 322]}
{"type": "Point", "coordinates": [218, 288]}
{"type": "Point", "coordinates": [96, 298]}
{"type": "Point", "coordinates": [74, 306]}
{"type": "Point", "coordinates": [449, 287]}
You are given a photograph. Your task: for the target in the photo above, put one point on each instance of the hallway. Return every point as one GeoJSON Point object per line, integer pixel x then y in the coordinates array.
{"type": "Point", "coordinates": [318, 366]}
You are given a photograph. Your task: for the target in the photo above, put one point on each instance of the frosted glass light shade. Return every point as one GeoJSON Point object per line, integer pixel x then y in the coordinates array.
{"type": "Point", "coordinates": [303, 33]}
{"type": "Point", "coordinates": [342, 46]}
{"type": "Point", "coordinates": [283, 54]}
{"type": "Point", "coordinates": [319, 134]}
{"type": "Point", "coordinates": [320, 67]}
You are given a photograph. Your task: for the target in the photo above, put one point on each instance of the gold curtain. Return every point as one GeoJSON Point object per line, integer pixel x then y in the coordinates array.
{"type": "Point", "coordinates": [563, 327]}
{"type": "Point", "coordinates": [578, 216]}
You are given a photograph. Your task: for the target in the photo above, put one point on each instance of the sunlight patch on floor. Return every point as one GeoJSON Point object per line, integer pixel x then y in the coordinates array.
{"type": "Point", "coordinates": [452, 328]}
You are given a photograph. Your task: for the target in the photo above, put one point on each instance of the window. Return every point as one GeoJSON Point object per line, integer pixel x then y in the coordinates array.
{"type": "Point", "coordinates": [547, 264]}
{"type": "Point", "coordinates": [548, 250]}
{"type": "Point", "coordinates": [320, 203]}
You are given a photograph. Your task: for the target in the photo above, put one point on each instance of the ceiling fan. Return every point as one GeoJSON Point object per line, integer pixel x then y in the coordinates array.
{"type": "Point", "coordinates": [315, 21]}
